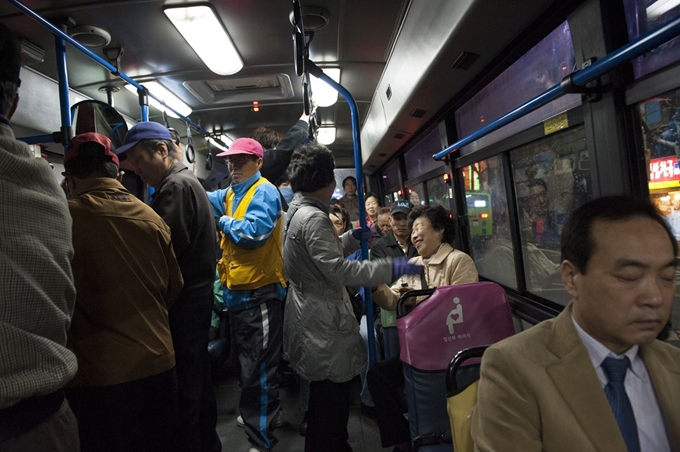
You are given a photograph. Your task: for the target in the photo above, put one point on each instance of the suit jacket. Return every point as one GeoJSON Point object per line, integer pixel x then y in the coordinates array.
{"type": "Point", "coordinates": [538, 391]}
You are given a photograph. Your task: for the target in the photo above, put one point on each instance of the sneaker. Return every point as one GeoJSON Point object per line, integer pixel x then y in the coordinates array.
{"type": "Point", "coordinates": [277, 422]}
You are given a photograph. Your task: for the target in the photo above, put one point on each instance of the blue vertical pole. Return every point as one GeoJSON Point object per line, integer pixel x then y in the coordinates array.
{"type": "Point", "coordinates": [358, 163]}
{"type": "Point", "coordinates": [143, 94]}
{"type": "Point", "coordinates": [64, 101]}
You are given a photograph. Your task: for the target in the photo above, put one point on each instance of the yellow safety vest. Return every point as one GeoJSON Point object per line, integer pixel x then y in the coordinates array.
{"type": "Point", "coordinates": [249, 269]}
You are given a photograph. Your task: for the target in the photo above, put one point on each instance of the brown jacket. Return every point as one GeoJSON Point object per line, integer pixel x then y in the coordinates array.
{"type": "Point", "coordinates": [539, 392]}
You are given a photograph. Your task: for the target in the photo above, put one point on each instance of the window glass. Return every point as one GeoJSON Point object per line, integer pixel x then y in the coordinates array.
{"type": "Point", "coordinates": [419, 159]}
{"type": "Point", "coordinates": [438, 191]}
{"type": "Point", "coordinates": [542, 67]}
{"type": "Point", "coordinates": [552, 178]}
{"type": "Point", "coordinates": [645, 15]}
{"type": "Point", "coordinates": [390, 176]}
{"type": "Point", "coordinates": [488, 222]}
{"type": "Point", "coordinates": [416, 194]}
{"type": "Point", "coordinates": [660, 121]}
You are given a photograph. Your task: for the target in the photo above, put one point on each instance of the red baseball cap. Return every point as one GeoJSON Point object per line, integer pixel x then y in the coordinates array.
{"type": "Point", "coordinates": [101, 148]}
{"type": "Point", "coordinates": [243, 146]}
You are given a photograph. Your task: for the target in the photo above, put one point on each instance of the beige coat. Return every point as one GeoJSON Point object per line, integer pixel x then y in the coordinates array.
{"type": "Point", "coordinates": [539, 392]}
{"type": "Point", "coordinates": [446, 267]}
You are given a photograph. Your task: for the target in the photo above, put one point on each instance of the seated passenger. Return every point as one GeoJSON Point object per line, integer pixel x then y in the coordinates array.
{"type": "Point", "coordinates": [321, 336]}
{"type": "Point", "coordinates": [595, 377]}
{"type": "Point", "coordinates": [126, 277]}
{"type": "Point", "coordinates": [372, 204]}
{"type": "Point", "coordinates": [432, 231]}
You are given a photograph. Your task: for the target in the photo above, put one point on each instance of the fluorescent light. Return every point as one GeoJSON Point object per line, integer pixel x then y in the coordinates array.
{"type": "Point", "coordinates": [201, 28]}
{"type": "Point", "coordinates": [225, 139]}
{"type": "Point", "coordinates": [164, 94]}
{"type": "Point", "coordinates": [660, 7]}
{"type": "Point", "coordinates": [326, 135]}
{"type": "Point", "coordinates": [323, 94]}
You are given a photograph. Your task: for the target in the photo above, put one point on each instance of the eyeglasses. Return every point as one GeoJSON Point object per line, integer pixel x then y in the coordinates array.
{"type": "Point", "coordinates": [240, 160]}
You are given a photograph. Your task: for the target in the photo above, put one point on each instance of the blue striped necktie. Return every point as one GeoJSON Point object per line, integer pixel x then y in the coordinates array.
{"type": "Point", "coordinates": [616, 369]}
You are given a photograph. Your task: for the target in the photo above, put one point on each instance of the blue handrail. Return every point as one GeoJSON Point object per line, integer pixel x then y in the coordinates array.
{"type": "Point", "coordinates": [108, 66]}
{"type": "Point", "coordinates": [358, 164]}
{"type": "Point", "coordinates": [635, 48]}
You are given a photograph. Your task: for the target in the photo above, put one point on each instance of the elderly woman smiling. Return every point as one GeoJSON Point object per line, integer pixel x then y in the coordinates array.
{"type": "Point", "coordinates": [432, 231]}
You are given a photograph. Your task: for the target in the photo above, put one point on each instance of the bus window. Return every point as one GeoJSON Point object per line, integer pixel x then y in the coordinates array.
{"type": "Point", "coordinates": [416, 194]}
{"type": "Point", "coordinates": [552, 178]}
{"type": "Point", "coordinates": [660, 123]}
{"type": "Point", "coordinates": [438, 191]}
{"type": "Point", "coordinates": [488, 223]}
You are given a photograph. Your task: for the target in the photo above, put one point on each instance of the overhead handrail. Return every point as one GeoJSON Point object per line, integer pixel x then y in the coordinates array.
{"type": "Point", "coordinates": [578, 79]}
{"type": "Point", "coordinates": [142, 91]}
{"type": "Point", "coordinates": [354, 110]}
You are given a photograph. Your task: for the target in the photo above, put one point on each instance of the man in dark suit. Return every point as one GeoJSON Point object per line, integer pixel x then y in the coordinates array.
{"type": "Point", "coordinates": [595, 377]}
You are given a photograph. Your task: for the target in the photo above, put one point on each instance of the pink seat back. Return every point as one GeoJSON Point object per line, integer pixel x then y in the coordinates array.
{"type": "Point", "coordinates": [451, 319]}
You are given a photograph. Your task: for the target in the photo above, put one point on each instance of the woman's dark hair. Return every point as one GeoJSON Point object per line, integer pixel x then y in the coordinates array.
{"type": "Point", "coordinates": [440, 218]}
{"type": "Point", "coordinates": [311, 168]}
{"type": "Point", "coordinates": [370, 194]}
{"type": "Point", "coordinates": [342, 214]}
{"type": "Point", "coordinates": [577, 244]}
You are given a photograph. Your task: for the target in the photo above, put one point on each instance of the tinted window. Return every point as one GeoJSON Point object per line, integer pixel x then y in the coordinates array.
{"type": "Point", "coordinates": [539, 69]}
{"type": "Point", "coordinates": [416, 194]}
{"type": "Point", "coordinates": [390, 176]}
{"type": "Point", "coordinates": [419, 159]}
{"type": "Point", "coordinates": [552, 178]}
{"type": "Point", "coordinates": [438, 191]}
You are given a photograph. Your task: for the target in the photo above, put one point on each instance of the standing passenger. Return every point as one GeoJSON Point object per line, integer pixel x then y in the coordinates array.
{"type": "Point", "coordinates": [181, 201]}
{"type": "Point", "coordinates": [350, 201]}
{"type": "Point", "coordinates": [251, 269]}
{"type": "Point", "coordinates": [126, 275]}
{"type": "Point", "coordinates": [321, 335]}
{"type": "Point", "coordinates": [595, 377]}
{"type": "Point", "coordinates": [36, 292]}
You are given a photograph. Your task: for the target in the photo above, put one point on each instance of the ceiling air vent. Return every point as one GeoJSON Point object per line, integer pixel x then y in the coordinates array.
{"type": "Point", "coordinates": [233, 90]}
{"type": "Point", "coordinates": [464, 61]}
{"type": "Point", "coordinates": [418, 113]}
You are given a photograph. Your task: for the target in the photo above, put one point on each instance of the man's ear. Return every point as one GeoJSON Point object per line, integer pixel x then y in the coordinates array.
{"type": "Point", "coordinates": [570, 276]}
{"type": "Point", "coordinates": [163, 149]}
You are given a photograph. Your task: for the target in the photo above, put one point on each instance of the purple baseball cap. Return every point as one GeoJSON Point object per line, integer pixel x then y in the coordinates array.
{"type": "Point", "coordinates": [143, 131]}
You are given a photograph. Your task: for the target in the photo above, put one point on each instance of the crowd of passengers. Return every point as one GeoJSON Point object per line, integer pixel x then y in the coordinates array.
{"type": "Point", "coordinates": [106, 304]}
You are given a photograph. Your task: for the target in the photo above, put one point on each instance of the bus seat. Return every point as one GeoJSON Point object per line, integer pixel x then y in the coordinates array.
{"type": "Point", "coordinates": [450, 319]}
{"type": "Point", "coordinates": [461, 389]}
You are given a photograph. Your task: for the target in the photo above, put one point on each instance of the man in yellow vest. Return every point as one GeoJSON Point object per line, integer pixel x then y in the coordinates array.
{"type": "Point", "coordinates": [251, 269]}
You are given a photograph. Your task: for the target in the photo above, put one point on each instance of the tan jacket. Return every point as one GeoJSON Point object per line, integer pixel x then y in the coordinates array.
{"type": "Point", "coordinates": [539, 392]}
{"type": "Point", "coordinates": [446, 267]}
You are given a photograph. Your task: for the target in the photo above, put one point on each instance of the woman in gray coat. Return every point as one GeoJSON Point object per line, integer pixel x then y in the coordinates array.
{"type": "Point", "coordinates": [321, 335]}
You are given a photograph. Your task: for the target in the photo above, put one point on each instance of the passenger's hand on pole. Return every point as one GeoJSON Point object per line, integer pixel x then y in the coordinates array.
{"type": "Point", "coordinates": [362, 233]}
{"type": "Point", "coordinates": [400, 267]}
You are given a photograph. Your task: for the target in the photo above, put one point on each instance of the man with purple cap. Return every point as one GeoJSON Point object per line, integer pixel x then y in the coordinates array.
{"type": "Point", "coordinates": [181, 201]}
{"type": "Point", "coordinates": [37, 295]}
{"type": "Point", "coordinates": [251, 269]}
{"type": "Point", "coordinates": [126, 276]}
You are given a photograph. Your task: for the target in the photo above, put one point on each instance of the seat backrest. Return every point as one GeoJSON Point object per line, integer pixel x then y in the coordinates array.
{"type": "Point", "coordinates": [462, 396]}
{"type": "Point", "coordinates": [451, 319]}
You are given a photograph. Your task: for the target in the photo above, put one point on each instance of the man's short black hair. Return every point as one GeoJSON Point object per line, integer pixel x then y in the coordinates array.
{"type": "Point", "coordinates": [440, 218]}
{"type": "Point", "coordinates": [352, 178]}
{"type": "Point", "coordinates": [577, 244]}
{"type": "Point", "coordinates": [311, 168]}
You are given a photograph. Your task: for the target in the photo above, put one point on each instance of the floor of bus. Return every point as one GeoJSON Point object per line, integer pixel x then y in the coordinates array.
{"type": "Point", "coordinates": [363, 432]}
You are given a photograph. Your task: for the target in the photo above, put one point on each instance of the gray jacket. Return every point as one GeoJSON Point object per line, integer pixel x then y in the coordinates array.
{"type": "Point", "coordinates": [320, 334]}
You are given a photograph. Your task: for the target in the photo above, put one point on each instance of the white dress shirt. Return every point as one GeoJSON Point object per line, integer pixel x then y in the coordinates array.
{"type": "Point", "coordinates": [648, 416]}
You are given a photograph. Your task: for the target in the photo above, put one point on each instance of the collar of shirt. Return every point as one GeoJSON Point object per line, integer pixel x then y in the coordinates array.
{"type": "Point", "coordinates": [599, 352]}
{"type": "Point", "coordinates": [242, 187]}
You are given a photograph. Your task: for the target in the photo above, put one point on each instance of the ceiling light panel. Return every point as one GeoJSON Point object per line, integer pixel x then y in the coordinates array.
{"type": "Point", "coordinates": [325, 135]}
{"type": "Point", "coordinates": [204, 32]}
{"type": "Point", "coordinates": [323, 94]}
{"type": "Point", "coordinates": [163, 93]}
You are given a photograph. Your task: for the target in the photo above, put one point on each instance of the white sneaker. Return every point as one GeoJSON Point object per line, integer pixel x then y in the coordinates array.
{"type": "Point", "coordinates": [277, 422]}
